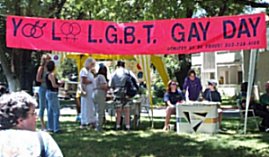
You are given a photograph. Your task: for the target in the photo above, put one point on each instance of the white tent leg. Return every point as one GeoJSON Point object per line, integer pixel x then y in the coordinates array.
{"type": "Point", "coordinates": [252, 65]}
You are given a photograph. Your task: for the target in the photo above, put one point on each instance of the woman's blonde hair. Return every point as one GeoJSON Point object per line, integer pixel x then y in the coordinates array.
{"type": "Point", "coordinates": [44, 59]}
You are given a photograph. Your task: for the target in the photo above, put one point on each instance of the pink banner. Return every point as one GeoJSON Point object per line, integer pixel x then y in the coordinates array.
{"type": "Point", "coordinates": [176, 36]}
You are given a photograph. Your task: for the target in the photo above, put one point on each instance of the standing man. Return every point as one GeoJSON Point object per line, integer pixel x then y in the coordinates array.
{"type": "Point", "coordinates": [117, 83]}
{"type": "Point", "coordinates": [192, 86]}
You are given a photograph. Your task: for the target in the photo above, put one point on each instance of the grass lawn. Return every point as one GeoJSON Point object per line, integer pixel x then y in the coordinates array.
{"type": "Point", "coordinates": [145, 141]}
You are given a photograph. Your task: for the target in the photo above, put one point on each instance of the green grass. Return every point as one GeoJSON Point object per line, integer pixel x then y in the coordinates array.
{"type": "Point", "coordinates": [145, 141]}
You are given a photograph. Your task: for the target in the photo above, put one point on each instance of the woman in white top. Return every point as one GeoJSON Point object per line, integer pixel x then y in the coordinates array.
{"type": "Point", "coordinates": [87, 84]}
{"type": "Point", "coordinates": [17, 129]}
{"type": "Point", "coordinates": [99, 96]}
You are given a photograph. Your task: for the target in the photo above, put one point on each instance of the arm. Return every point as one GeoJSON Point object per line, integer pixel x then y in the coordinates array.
{"type": "Point", "coordinates": [166, 99]}
{"type": "Point", "coordinates": [200, 85]}
{"type": "Point", "coordinates": [39, 74]}
{"type": "Point", "coordinates": [85, 80]}
{"type": "Point", "coordinates": [53, 81]}
{"type": "Point", "coordinates": [83, 76]}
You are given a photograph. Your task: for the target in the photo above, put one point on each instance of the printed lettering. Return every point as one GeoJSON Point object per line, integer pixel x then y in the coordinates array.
{"type": "Point", "coordinates": [16, 26]}
{"type": "Point", "coordinates": [113, 37]}
{"type": "Point", "coordinates": [129, 33]}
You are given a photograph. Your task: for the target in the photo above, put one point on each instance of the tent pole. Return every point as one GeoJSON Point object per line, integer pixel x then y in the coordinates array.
{"type": "Point", "coordinates": [252, 65]}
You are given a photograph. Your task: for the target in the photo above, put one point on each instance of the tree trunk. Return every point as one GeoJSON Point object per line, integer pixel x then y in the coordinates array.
{"type": "Point", "coordinates": [13, 81]}
{"type": "Point", "coordinates": [24, 69]}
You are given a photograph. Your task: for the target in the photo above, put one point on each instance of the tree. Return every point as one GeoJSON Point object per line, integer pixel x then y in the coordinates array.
{"type": "Point", "coordinates": [17, 64]}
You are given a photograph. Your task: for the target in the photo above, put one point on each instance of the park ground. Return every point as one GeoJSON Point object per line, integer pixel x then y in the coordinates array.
{"type": "Point", "coordinates": [151, 141]}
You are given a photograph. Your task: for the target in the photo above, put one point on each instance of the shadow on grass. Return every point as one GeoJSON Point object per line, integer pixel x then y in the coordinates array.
{"type": "Point", "coordinates": [153, 142]}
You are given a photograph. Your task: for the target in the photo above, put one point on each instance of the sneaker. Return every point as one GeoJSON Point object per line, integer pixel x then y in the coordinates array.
{"type": "Point", "coordinates": [267, 130]}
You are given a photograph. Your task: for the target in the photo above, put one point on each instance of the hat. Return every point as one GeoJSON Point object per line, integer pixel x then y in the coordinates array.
{"type": "Point", "coordinates": [212, 82]}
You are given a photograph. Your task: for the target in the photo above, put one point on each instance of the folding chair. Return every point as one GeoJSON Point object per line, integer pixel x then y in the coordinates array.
{"type": "Point", "coordinates": [145, 105]}
{"type": "Point", "coordinates": [251, 115]}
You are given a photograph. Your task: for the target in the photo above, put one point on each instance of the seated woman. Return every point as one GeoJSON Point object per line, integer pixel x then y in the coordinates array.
{"type": "Point", "coordinates": [211, 94]}
{"type": "Point", "coordinates": [171, 98]}
{"type": "Point", "coordinates": [17, 129]}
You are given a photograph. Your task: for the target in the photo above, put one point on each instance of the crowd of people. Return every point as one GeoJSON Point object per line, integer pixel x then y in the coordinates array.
{"type": "Point", "coordinates": [18, 115]}
{"type": "Point", "coordinates": [91, 98]}
{"type": "Point", "coordinates": [192, 91]}
{"type": "Point", "coordinates": [93, 92]}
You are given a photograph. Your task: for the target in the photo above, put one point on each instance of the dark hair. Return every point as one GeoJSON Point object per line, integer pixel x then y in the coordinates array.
{"type": "Point", "coordinates": [14, 106]}
{"type": "Point", "coordinates": [50, 66]}
{"type": "Point", "coordinates": [191, 72]}
{"type": "Point", "coordinates": [121, 64]}
{"type": "Point", "coordinates": [103, 71]}
{"type": "Point", "coordinates": [168, 89]}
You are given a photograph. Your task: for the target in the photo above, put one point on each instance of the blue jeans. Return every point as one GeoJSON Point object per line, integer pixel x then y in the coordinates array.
{"type": "Point", "coordinates": [42, 101]}
{"type": "Point", "coordinates": [53, 111]}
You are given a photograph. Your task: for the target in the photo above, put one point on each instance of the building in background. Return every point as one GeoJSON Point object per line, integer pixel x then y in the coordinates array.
{"type": "Point", "coordinates": [224, 66]}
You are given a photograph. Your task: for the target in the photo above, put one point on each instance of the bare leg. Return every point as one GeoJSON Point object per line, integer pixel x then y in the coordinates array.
{"type": "Point", "coordinates": [169, 111]}
{"type": "Point", "coordinates": [127, 117]}
{"type": "Point", "coordinates": [118, 118]}
{"type": "Point", "coordinates": [43, 125]}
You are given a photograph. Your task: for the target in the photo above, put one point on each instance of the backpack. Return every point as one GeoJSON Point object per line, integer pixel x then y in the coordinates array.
{"type": "Point", "coordinates": [130, 85]}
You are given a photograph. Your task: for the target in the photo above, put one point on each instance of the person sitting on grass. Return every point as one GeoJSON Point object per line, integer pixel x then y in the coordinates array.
{"type": "Point", "coordinates": [262, 111]}
{"type": "Point", "coordinates": [172, 96]}
{"type": "Point", "coordinates": [211, 94]}
{"type": "Point", "coordinates": [18, 129]}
